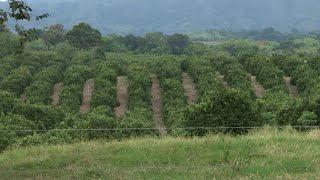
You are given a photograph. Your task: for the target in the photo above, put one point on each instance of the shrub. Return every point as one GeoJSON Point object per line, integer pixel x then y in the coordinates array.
{"type": "Point", "coordinates": [228, 108]}
{"type": "Point", "coordinates": [308, 119]}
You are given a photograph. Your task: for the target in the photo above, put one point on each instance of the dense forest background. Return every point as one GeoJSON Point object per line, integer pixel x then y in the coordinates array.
{"type": "Point", "coordinates": [169, 16]}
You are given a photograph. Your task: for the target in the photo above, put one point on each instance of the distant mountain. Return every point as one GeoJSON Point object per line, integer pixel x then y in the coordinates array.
{"type": "Point", "coordinates": [140, 16]}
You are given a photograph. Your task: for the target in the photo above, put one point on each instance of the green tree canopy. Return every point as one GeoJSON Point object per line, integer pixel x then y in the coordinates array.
{"type": "Point", "coordinates": [54, 35]}
{"type": "Point", "coordinates": [20, 10]}
{"type": "Point", "coordinates": [83, 36]}
{"type": "Point", "coordinates": [177, 43]}
{"type": "Point", "coordinates": [229, 108]}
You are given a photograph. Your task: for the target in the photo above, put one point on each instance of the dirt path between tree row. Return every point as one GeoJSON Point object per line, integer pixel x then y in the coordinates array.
{"type": "Point", "coordinates": [157, 106]}
{"type": "Point", "coordinates": [293, 90]}
{"type": "Point", "coordinates": [87, 94]}
{"type": "Point", "coordinates": [57, 89]}
{"type": "Point", "coordinates": [190, 88]}
{"type": "Point", "coordinates": [122, 96]}
{"type": "Point", "coordinates": [258, 88]}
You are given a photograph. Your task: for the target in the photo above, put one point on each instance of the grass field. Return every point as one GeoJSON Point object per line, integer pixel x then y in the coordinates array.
{"type": "Point", "coordinates": [264, 154]}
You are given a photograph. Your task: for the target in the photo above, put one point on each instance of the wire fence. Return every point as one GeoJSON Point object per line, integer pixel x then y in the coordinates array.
{"type": "Point", "coordinates": [156, 129]}
{"type": "Point", "coordinates": [170, 167]}
{"type": "Point", "coordinates": [166, 168]}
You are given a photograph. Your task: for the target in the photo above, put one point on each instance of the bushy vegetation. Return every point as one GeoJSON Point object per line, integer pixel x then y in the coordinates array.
{"type": "Point", "coordinates": [265, 154]}
{"type": "Point", "coordinates": [226, 97]}
{"type": "Point", "coordinates": [170, 76]}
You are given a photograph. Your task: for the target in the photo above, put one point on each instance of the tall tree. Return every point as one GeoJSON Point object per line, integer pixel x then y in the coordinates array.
{"type": "Point", "coordinates": [177, 43]}
{"type": "Point", "coordinates": [54, 35]}
{"type": "Point", "coordinates": [156, 42]}
{"type": "Point", "coordinates": [83, 36]}
{"type": "Point", "coordinates": [19, 10]}
{"type": "Point", "coordinates": [4, 28]}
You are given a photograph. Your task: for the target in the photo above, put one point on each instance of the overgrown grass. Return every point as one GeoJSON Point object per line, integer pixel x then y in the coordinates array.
{"type": "Point", "coordinates": [264, 154]}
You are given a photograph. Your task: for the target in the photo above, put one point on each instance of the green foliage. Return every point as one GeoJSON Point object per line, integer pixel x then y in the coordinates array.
{"type": "Point", "coordinates": [77, 74]}
{"type": "Point", "coordinates": [20, 10]}
{"type": "Point", "coordinates": [83, 36]}
{"type": "Point", "coordinates": [71, 97]}
{"type": "Point", "coordinates": [235, 47]}
{"type": "Point", "coordinates": [65, 51]}
{"type": "Point", "coordinates": [7, 102]}
{"type": "Point", "coordinates": [306, 80]}
{"type": "Point", "coordinates": [178, 43]}
{"type": "Point", "coordinates": [308, 119]}
{"type": "Point", "coordinates": [8, 44]}
{"type": "Point", "coordinates": [217, 152]}
{"type": "Point", "coordinates": [226, 108]}
{"type": "Point", "coordinates": [234, 73]}
{"type": "Point", "coordinates": [138, 117]}
{"type": "Point", "coordinates": [41, 88]}
{"type": "Point", "coordinates": [17, 81]}
{"type": "Point", "coordinates": [277, 104]}
{"type": "Point", "coordinates": [170, 76]}
{"type": "Point", "coordinates": [195, 49]}
{"type": "Point", "coordinates": [157, 43]}
{"type": "Point", "coordinates": [267, 73]}
{"type": "Point", "coordinates": [139, 86]}
{"type": "Point", "coordinates": [227, 102]}
{"type": "Point", "coordinates": [54, 35]}
{"type": "Point", "coordinates": [45, 117]}
{"type": "Point", "coordinates": [288, 63]}
{"type": "Point", "coordinates": [37, 45]}
{"type": "Point", "coordinates": [105, 86]}
{"type": "Point", "coordinates": [96, 121]}
{"type": "Point", "coordinates": [204, 76]}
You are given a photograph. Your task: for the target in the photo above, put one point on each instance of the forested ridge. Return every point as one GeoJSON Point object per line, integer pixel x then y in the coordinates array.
{"type": "Point", "coordinates": [169, 16]}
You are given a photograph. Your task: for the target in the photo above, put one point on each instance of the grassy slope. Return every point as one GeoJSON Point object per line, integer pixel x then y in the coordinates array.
{"type": "Point", "coordinates": [265, 154]}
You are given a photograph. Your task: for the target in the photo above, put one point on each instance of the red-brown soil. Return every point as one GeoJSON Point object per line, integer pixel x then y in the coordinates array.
{"type": "Point", "coordinates": [258, 88]}
{"type": "Point", "coordinates": [157, 106]}
{"type": "Point", "coordinates": [87, 94]}
{"type": "Point", "coordinates": [122, 96]}
{"type": "Point", "coordinates": [190, 88]}
{"type": "Point", "coordinates": [293, 90]}
{"type": "Point", "coordinates": [57, 89]}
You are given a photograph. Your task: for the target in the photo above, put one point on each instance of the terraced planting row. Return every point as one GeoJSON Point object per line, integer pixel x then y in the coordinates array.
{"type": "Point", "coordinates": [39, 89]}
{"type": "Point", "coordinates": [156, 93]}
{"type": "Point", "coordinates": [169, 73]}
{"type": "Point", "coordinates": [234, 74]}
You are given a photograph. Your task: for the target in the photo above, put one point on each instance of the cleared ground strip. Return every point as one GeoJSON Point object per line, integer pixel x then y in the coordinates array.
{"type": "Point", "coordinates": [190, 88]}
{"type": "Point", "coordinates": [122, 96]}
{"type": "Point", "coordinates": [293, 90]}
{"type": "Point", "coordinates": [57, 89]}
{"type": "Point", "coordinates": [87, 95]}
{"type": "Point", "coordinates": [157, 106]}
{"type": "Point", "coordinates": [258, 88]}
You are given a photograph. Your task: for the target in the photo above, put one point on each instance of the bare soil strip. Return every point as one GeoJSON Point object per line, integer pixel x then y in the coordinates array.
{"type": "Point", "coordinates": [190, 88]}
{"type": "Point", "coordinates": [57, 89]}
{"type": "Point", "coordinates": [157, 106]}
{"type": "Point", "coordinates": [87, 94]}
{"type": "Point", "coordinates": [122, 95]}
{"type": "Point", "coordinates": [258, 88]}
{"type": "Point", "coordinates": [293, 90]}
